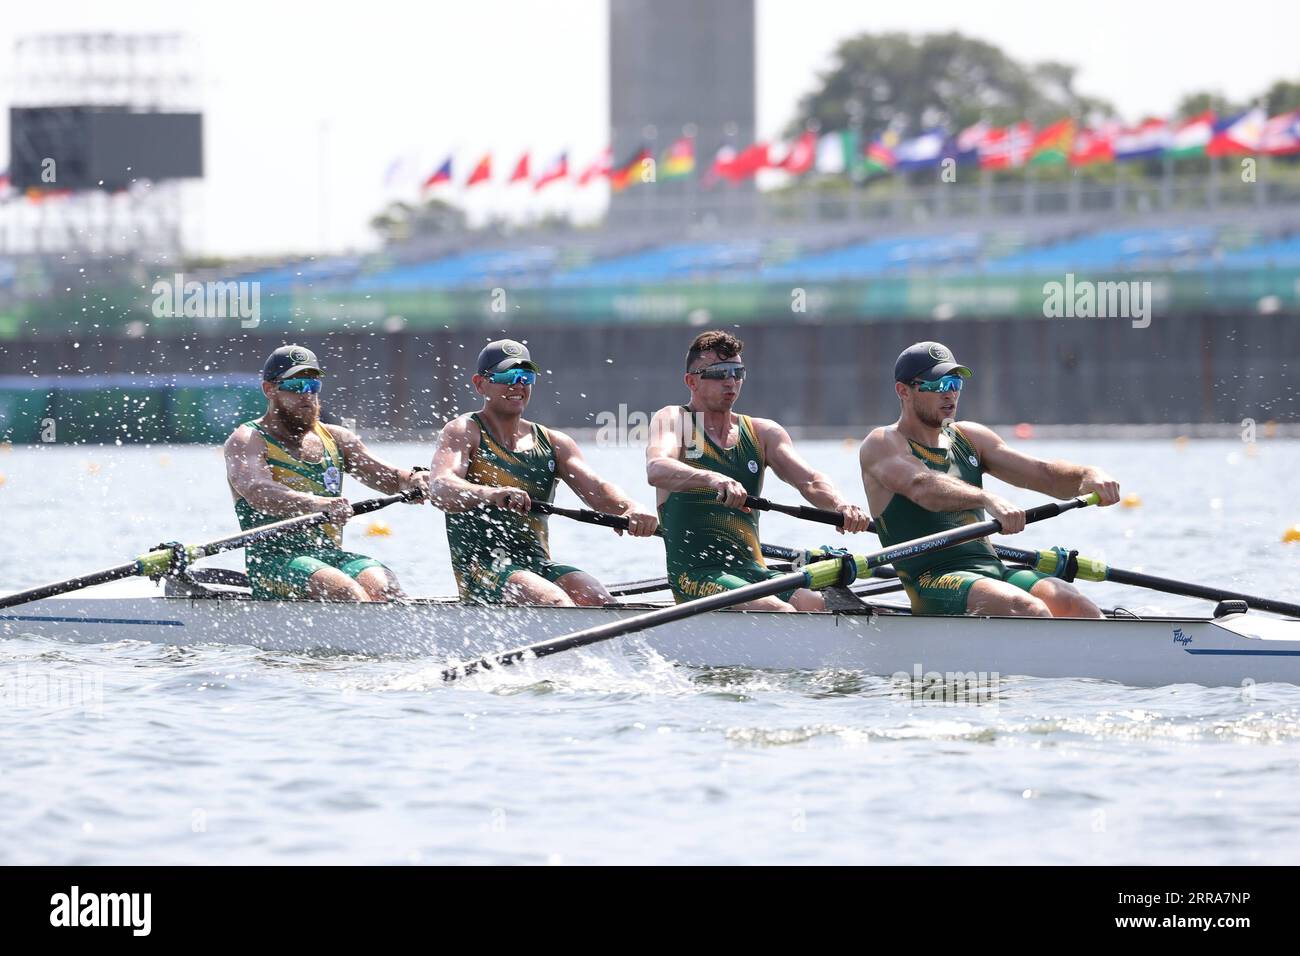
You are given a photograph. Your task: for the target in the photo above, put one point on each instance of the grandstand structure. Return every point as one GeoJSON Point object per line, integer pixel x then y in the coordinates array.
{"type": "Point", "coordinates": [825, 285]}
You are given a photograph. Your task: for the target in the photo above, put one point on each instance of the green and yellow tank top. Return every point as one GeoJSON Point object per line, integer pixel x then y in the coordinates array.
{"type": "Point", "coordinates": [480, 533]}
{"type": "Point", "coordinates": [698, 530]}
{"type": "Point", "coordinates": [903, 519]}
{"type": "Point", "coordinates": [324, 478]}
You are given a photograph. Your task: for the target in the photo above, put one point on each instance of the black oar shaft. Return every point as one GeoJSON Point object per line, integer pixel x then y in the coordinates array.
{"type": "Point", "coordinates": [161, 559]}
{"type": "Point", "coordinates": [73, 584]}
{"type": "Point", "coordinates": [1188, 589]}
{"type": "Point", "coordinates": [1094, 570]}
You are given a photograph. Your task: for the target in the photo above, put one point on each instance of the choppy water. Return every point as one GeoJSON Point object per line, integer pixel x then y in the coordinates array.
{"type": "Point", "coordinates": [134, 753]}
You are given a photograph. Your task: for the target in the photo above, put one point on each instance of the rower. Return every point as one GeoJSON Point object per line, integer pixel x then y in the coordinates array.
{"type": "Point", "coordinates": [488, 469]}
{"type": "Point", "coordinates": [289, 463]}
{"type": "Point", "coordinates": [924, 474]}
{"type": "Point", "coordinates": [705, 460]}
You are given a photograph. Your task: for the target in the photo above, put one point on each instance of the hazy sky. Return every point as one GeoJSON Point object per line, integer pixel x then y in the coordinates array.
{"type": "Point", "coordinates": [314, 101]}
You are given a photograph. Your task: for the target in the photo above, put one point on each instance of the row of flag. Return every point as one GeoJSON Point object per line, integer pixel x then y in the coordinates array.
{"type": "Point", "coordinates": [1065, 142]}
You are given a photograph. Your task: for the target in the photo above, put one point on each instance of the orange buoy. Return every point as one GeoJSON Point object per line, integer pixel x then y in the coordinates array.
{"type": "Point", "coordinates": [1024, 431]}
{"type": "Point", "coordinates": [92, 467]}
{"type": "Point", "coordinates": [1291, 535]}
{"type": "Point", "coordinates": [1131, 501]}
{"type": "Point", "coordinates": [378, 529]}
{"type": "Point", "coordinates": [1181, 442]}
{"type": "Point", "coordinates": [3, 479]}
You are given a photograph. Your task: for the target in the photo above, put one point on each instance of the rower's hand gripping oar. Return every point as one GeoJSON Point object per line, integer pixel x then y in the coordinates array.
{"type": "Point", "coordinates": [159, 561]}
{"type": "Point", "coordinates": [620, 523]}
{"type": "Point", "coordinates": [821, 574]}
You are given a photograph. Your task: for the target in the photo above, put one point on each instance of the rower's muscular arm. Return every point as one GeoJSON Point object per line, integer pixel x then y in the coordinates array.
{"type": "Point", "coordinates": [374, 472]}
{"type": "Point", "coordinates": [448, 488]}
{"type": "Point", "coordinates": [1055, 477]}
{"type": "Point", "coordinates": [664, 467]}
{"type": "Point", "coordinates": [887, 460]}
{"type": "Point", "coordinates": [250, 476]}
{"type": "Point", "coordinates": [594, 490]}
{"type": "Point", "coordinates": [790, 467]}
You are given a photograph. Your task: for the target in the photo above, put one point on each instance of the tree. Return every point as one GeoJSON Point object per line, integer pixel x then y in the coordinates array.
{"type": "Point", "coordinates": [939, 79]}
{"type": "Point", "coordinates": [1194, 104]}
{"type": "Point", "coordinates": [402, 220]}
{"type": "Point", "coordinates": [1282, 97]}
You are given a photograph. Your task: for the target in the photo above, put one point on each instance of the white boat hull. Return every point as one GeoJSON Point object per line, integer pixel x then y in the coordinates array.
{"type": "Point", "coordinates": [1232, 650]}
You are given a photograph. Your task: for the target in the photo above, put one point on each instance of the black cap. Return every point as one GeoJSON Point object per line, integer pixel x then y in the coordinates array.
{"type": "Point", "coordinates": [927, 361]}
{"type": "Point", "coordinates": [503, 354]}
{"type": "Point", "coordinates": [289, 360]}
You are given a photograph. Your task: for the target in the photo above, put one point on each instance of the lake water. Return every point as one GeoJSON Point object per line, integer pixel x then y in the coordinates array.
{"type": "Point", "coordinates": [234, 755]}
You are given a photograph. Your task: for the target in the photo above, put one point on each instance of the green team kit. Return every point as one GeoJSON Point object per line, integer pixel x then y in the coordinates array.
{"type": "Point", "coordinates": [711, 547]}
{"type": "Point", "coordinates": [488, 544]}
{"type": "Point", "coordinates": [940, 583]}
{"type": "Point", "coordinates": [280, 567]}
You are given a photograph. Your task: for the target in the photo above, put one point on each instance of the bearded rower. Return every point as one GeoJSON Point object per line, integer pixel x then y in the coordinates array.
{"type": "Point", "coordinates": [288, 463]}
{"type": "Point", "coordinates": [488, 469]}
{"type": "Point", "coordinates": [705, 460]}
{"type": "Point", "coordinates": [924, 474]}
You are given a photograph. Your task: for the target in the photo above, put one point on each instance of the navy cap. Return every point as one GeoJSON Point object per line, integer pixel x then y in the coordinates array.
{"type": "Point", "coordinates": [927, 361]}
{"type": "Point", "coordinates": [289, 360]}
{"type": "Point", "coordinates": [503, 354]}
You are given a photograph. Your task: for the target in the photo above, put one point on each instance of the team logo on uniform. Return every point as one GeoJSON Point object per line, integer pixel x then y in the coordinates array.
{"type": "Point", "coordinates": [299, 356]}
{"type": "Point", "coordinates": [939, 353]}
{"type": "Point", "coordinates": [333, 479]}
{"type": "Point", "coordinates": [753, 467]}
{"type": "Point", "coordinates": [973, 460]}
{"type": "Point", "coordinates": [512, 348]}
{"type": "Point", "coordinates": [550, 463]}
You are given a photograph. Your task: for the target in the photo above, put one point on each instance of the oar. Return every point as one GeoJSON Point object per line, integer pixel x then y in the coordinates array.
{"type": "Point", "coordinates": [805, 512]}
{"type": "Point", "coordinates": [620, 522]}
{"type": "Point", "coordinates": [157, 562]}
{"type": "Point", "coordinates": [820, 574]}
{"type": "Point", "coordinates": [1091, 569]}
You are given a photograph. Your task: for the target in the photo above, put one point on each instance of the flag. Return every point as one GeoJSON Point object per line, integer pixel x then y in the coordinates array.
{"type": "Point", "coordinates": [1281, 135]}
{"type": "Point", "coordinates": [1148, 139]}
{"type": "Point", "coordinates": [1053, 144]}
{"type": "Point", "coordinates": [1241, 134]}
{"type": "Point", "coordinates": [970, 141]}
{"type": "Point", "coordinates": [439, 176]}
{"type": "Point", "coordinates": [1006, 147]}
{"type": "Point", "coordinates": [1191, 136]}
{"type": "Point", "coordinates": [736, 166]}
{"type": "Point", "coordinates": [598, 168]}
{"type": "Point", "coordinates": [482, 172]}
{"type": "Point", "coordinates": [629, 173]}
{"type": "Point", "coordinates": [879, 154]}
{"type": "Point", "coordinates": [1094, 145]}
{"type": "Point", "coordinates": [837, 152]}
{"type": "Point", "coordinates": [679, 159]}
{"type": "Point", "coordinates": [521, 170]}
{"type": "Point", "coordinates": [802, 155]}
{"type": "Point", "coordinates": [921, 152]}
{"type": "Point", "coordinates": [559, 169]}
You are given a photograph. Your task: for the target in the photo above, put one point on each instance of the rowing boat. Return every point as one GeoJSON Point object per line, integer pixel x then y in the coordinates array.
{"type": "Point", "coordinates": [876, 638]}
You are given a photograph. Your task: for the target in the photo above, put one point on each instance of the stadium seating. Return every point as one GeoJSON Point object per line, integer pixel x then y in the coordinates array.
{"type": "Point", "coordinates": [1112, 249]}
{"type": "Point", "coordinates": [669, 263]}
{"type": "Point", "coordinates": [880, 257]}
